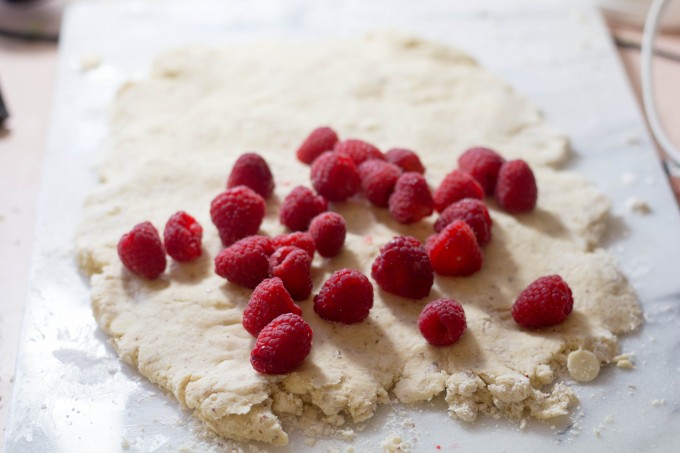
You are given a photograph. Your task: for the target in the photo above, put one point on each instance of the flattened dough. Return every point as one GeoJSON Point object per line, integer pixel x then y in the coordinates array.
{"type": "Point", "coordinates": [173, 139]}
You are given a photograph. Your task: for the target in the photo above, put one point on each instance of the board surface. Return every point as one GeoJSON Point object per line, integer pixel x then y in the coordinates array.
{"type": "Point", "coordinates": [73, 394]}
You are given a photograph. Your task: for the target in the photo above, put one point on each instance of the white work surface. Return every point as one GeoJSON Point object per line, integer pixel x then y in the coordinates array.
{"type": "Point", "coordinates": [72, 394]}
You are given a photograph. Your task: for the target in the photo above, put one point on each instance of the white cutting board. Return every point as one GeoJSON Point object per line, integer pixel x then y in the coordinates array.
{"type": "Point", "coordinates": [72, 394]}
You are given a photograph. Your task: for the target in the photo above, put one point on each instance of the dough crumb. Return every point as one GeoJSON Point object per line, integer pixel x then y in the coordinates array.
{"type": "Point", "coordinates": [658, 403]}
{"type": "Point", "coordinates": [608, 420]}
{"type": "Point", "coordinates": [625, 365]}
{"type": "Point", "coordinates": [394, 443]}
{"type": "Point", "coordinates": [624, 361]}
{"type": "Point", "coordinates": [310, 441]}
{"type": "Point", "coordinates": [638, 206]}
{"type": "Point", "coordinates": [583, 366]}
{"type": "Point", "coordinates": [347, 434]}
{"type": "Point", "coordinates": [89, 62]}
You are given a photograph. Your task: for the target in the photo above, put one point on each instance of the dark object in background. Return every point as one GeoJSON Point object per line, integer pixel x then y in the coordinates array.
{"type": "Point", "coordinates": [31, 20]}
{"type": "Point", "coordinates": [4, 114]}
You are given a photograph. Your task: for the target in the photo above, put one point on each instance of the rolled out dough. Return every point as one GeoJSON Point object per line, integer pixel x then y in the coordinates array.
{"type": "Point", "coordinates": [173, 139]}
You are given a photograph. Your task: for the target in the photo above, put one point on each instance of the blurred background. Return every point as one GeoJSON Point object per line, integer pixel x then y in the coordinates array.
{"type": "Point", "coordinates": [29, 35]}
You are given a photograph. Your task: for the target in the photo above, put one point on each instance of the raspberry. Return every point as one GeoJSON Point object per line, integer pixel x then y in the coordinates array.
{"type": "Point", "coordinates": [405, 159]}
{"type": "Point", "coordinates": [246, 262]}
{"type": "Point", "coordinates": [300, 207]}
{"type": "Point", "coordinates": [455, 250]}
{"type": "Point", "coordinates": [237, 213]}
{"type": "Point", "coordinates": [411, 199]}
{"type": "Point", "coordinates": [456, 186]}
{"type": "Point", "coordinates": [442, 322]}
{"type": "Point", "coordinates": [294, 267]}
{"type": "Point", "coordinates": [319, 141]}
{"type": "Point", "coordinates": [251, 170]}
{"type": "Point", "coordinates": [299, 239]}
{"type": "Point", "coordinates": [328, 230]}
{"type": "Point", "coordinates": [335, 176]}
{"type": "Point", "coordinates": [142, 252]}
{"type": "Point", "coordinates": [516, 189]}
{"type": "Point", "coordinates": [483, 165]}
{"type": "Point", "coordinates": [346, 297]}
{"type": "Point", "coordinates": [473, 212]}
{"type": "Point", "coordinates": [545, 302]}
{"type": "Point", "coordinates": [282, 345]}
{"type": "Point", "coordinates": [269, 300]}
{"type": "Point", "coordinates": [182, 237]}
{"type": "Point", "coordinates": [358, 150]}
{"type": "Point", "coordinates": [377, 180]}
{"type": "Point", "coordinates": [403, 268]}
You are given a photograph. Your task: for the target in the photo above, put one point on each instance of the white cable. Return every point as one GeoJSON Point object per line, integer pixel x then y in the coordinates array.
{"type": "Point", "coordinates": [647, 49]}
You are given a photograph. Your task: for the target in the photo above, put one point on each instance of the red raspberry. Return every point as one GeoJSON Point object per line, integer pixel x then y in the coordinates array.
{"type": "Point", "coordinates": [300, 207]}
{"type": "Point", "coordinates": [251, 170]}
{"type": "Point", "coordinates": [182, 237]}
{"type": "Point", "coordinates": [246, 262]}
{"type": "Point", "coordinates": [403, 268]}
{"type": "Point", "coordinates": [358, 150]}
{"type": "Point", "coordinates": [269, 300]}
{"type": "Point", "coordinates": [411, 200]}
{"type": "Point", "coordinates": [442, 322]}
{"type": "Point", "coordinates": [319, 141]}
{"type": "Point", "coordinates": [455, 250]}
{"type": "Point", "coordinates": [346, 297]}
{"type": "Point", "coordinates": [294, 267]}
{"type": "Point", "coordinates": [142, 252]}
{"type": "Point", "coordinates": [328, 230]}
{"type": "Point", "coordinates": [377, 180]}
{"type": "Point", "coordinates": [335, 176]}
{"type": "Point", "coordinates": [545, 302]}
{"type": "Point", "coordinates": [483, 165]}
{"type": "Point", "coordinates": [237, 213]}
{"type": "Point", "coordinates": [516, 189]}
{"type": "Point", "coordinates": [456, 186]}
{"type": "Point", "coordinates": [473, 212]}
{"type": "Point", "coordinates": [405, 159]}
{"type": "Point", "coordinates": [282, 345]}
{"type": "Point", "coordinates": [299, 239]}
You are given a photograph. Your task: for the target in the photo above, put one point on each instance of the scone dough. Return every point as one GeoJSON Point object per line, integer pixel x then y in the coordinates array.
{"type": "Point", "coordinates": [173, 140]}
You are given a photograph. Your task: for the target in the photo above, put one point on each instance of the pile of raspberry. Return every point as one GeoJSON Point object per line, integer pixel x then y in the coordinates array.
{"type": "Point", "coordinates": [279, 269]}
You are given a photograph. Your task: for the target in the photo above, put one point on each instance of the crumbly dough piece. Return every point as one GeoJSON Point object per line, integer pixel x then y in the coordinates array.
{"type": "Point", "coordinates": [173, 139]}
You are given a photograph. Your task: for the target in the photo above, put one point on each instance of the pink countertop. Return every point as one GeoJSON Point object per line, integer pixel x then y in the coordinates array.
{"type": "Point", "coordinates": [27, 79]}
{"type": "Point", "coordinates": [667, 75]}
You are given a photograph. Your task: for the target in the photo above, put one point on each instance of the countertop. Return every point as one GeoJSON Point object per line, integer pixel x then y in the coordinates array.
{"type": "Point", "coordinates": [27, 73]}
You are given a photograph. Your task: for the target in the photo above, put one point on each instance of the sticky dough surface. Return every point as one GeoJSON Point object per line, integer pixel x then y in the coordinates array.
{"type": "Point", "coordinates": [173, 139]}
